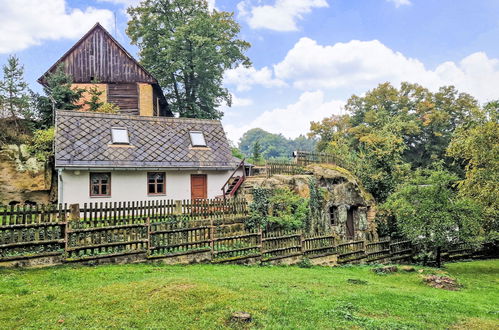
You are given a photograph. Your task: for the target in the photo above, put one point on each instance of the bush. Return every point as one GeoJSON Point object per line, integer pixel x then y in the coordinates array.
{"type": "Point", "coordinates": [108, 108]}
{"type": "Point", "coordinates": [41, 143]}
{"type": "Point", "coordinates": [287, 210]}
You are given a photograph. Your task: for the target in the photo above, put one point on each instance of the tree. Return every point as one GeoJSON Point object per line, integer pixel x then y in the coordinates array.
{"type": "Point", "coordinates": [15, 103]}
{"type": "Point", "coordinates": [188, 48]}
{"type": "Point", "coordinates": [476, 143]}
{"type": "Point", "coordinates": [59, 94]}
{"type": "Point", "coordinates": [14, 91]}
{"type": "Point", "coordinates": [389, 131]}
{"type": "Point", "coordinates": [256, 151]}
{"type": "Point", "coordinates": [428, 212]}
{"type": "Point", "coordinates": [94, 103]}
{"type": "Point", "coordinates": [274, 145]}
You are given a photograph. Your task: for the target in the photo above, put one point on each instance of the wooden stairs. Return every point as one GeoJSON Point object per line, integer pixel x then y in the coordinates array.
{"type": "Point", "coordinates": [234, 182]}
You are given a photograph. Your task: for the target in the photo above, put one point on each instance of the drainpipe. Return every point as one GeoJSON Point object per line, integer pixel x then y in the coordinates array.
{"type": "Point", "coordinates": [60, 187]}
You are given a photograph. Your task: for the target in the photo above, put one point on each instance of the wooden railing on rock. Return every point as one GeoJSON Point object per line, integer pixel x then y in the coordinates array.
{"type": "Point", "coordinates": [276, 167]}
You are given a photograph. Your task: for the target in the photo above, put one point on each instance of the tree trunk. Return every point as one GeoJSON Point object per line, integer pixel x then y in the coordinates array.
{"type": "Point", "coordinates": [439, 257]}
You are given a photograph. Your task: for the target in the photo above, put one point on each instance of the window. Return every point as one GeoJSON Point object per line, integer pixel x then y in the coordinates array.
{"type": "Point", "coordinates": [120, 135]}
{"type": "Point", "coordinates": [197, 139]}
{"type": "Point", "coordinates": [156, 184]}
{"type": "Point", "coordinates": [100, 184]}
{"type": "Point", "coordinates": [333, 214]}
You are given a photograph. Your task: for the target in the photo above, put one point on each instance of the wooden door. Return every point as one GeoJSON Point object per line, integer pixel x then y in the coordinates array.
{"type": "Point", "coordinates": [199, 186]}
{"type": "Point", "coordinates": [350, 223]}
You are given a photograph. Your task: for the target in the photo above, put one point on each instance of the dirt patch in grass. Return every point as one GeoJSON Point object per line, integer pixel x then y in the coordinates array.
{"type": "Point", "coordinates": [176, 287]}
{"type": "Point", "coordinates": [476, 323]}
{"type": "Point", "coordinates": [442, 282]}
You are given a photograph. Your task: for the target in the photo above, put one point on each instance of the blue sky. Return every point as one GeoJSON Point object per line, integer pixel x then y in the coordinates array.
{"type": "Point", "coordinates": [308, 56]}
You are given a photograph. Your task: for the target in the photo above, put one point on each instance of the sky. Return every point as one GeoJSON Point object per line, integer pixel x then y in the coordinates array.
{"type": "Point", "coordinates": [308, 56]}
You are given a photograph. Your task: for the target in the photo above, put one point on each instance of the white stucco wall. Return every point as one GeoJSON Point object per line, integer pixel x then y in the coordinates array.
{"type": "Point", "coordinates": [74, 186]}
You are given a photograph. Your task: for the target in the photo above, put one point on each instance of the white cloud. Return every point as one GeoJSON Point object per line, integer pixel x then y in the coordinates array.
{"type": "Point", "coordinates": [244, 78]}
{"type": "Point", "coordinates": [26, 23]}
{"type": "Point", "coordinates": [240, 101]}
{"type": "Point", "coordinates": [360, 65]}
{"type": "Point", "coordinates": [292, 120]}
{"type": "Point", "coordinates": [399, 3]}
{"type": "Point", "coordinates": [282, 16]}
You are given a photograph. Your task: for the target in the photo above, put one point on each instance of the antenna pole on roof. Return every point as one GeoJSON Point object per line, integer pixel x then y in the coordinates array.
{"type": "Point", "coordinates": [115, 33]}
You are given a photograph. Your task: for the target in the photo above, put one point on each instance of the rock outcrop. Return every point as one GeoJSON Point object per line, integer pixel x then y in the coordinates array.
{"type": "Point", "coordinates": [349, 209]}
{"type": "Point", "coordinates": [23, 178]}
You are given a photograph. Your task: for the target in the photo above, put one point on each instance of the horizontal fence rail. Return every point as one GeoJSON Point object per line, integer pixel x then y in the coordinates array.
{"type": "Point", "coordinates": [283, 167]}
{"type": "Point", "coordinates": [163, 229]}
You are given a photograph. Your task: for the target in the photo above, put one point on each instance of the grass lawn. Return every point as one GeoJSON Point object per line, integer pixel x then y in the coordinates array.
{"type": "Point", "coordinates": [205, 296]}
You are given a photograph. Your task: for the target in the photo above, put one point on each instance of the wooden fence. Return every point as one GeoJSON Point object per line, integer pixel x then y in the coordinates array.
{"type": "Point", "coordinates": [167, 229]}
{"type": "Point", "coordinates": [283, 167]}
{"type": "Point", "coordinates": [304, 158]}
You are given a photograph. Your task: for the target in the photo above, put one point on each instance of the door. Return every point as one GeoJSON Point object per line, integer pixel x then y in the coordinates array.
{"type": "Point", "coordinates": [350, 223]}
{"type": "Point", "coordinates": [199, 186]}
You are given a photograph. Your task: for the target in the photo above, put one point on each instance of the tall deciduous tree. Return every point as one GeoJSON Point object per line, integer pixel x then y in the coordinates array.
{"type": "Point", "coordinates": [429, 213]}
{"type": "Point", "coordinates": [477, 144]}
{"type": "Point", "coordinates": [188, 49]}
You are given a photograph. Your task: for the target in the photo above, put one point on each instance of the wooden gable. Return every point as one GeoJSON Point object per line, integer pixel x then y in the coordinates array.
{"type": "Point", "coordinates": [97, 56]}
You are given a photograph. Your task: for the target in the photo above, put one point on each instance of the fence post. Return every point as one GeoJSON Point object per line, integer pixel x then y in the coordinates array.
{"type": "Point", "coordinates": [74, 215]}
{"type": "Point", "coordinates": [178, 208]}
{"type": "Point", "coordinates": [148, 244]}
{"type": "Point", "coordinates": [212, 239]}
{"type": "Point", "coordinates": [260, 235]}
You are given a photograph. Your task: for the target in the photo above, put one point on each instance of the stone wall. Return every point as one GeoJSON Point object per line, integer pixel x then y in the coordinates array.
{"type": "Point", "coordinates": [23, 178]}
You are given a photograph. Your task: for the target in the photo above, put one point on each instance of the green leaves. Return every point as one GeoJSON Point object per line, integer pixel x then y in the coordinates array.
{"type": "Point", "coordinates": [188, 48]}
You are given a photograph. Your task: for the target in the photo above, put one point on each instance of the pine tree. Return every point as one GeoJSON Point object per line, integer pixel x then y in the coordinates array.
{"type": "Point", "coordinates": [14, 92]}
{"type": "Point", "coordinates": [59, 94]}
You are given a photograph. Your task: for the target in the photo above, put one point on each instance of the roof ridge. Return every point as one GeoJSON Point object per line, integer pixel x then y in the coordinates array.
{"type": "Point", "coordinates": [75, 113]}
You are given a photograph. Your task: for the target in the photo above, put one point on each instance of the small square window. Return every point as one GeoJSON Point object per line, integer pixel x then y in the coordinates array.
{"type": "Point", "coordinates": [100, 184]}
{"type": "Point", "coordinates": [156, 183]}
{"type": "Point", "coordinates": [197, 139]}
{"type": "Point", "coordinates": [120, 135]}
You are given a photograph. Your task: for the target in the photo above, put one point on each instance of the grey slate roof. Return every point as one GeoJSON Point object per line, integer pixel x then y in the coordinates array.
{"type": "Point", "coordinates": [83, 140]}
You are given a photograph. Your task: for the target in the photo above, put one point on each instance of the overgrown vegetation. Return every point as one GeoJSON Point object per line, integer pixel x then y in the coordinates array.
{"type": "Point", "coordinates": [205, 296]}
{"type": "Point", "coordinates": [279, 209]}
{"type": "Point", "coordinates": [399, 141]}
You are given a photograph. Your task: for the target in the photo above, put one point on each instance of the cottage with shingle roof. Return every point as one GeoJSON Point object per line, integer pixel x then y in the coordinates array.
{"type": "Point", "coordinates": [115, 157]}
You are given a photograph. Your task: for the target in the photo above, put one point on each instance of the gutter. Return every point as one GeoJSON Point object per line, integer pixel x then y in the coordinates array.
{"type": "Point", "coordinates": [60, 186]}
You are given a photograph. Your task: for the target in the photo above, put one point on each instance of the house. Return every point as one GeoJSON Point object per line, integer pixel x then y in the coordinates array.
{"type": "Point", "coordinates": [115, 157]}
{"type": "Point", "coordinates": [142, 153]}
{"type": "Point", "coordinates": [98, 61]}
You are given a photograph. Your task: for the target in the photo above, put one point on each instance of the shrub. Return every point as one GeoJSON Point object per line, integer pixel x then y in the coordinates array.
{"type": "Point", "coordinates": [108, 108]}
{"type": "Point", "coordinates": [41, 143]}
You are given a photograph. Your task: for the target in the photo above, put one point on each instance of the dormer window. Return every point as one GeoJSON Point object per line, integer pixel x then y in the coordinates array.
{"type": "Point", "coordinates": [197, 139]}
{"type": "Point", "coordinates": [120, 135]}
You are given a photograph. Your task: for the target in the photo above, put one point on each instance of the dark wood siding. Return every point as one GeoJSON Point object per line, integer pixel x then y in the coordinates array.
{"type": "Point", "coordinates": [97, 56]}
{"type": "Point", "coordinates": [125, 96]}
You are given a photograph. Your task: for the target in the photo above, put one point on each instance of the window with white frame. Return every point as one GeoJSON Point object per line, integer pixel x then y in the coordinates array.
{"type": "Point", "coordinates": [120, 135]}
{"type": "Point", "coordinates": [197, 139]}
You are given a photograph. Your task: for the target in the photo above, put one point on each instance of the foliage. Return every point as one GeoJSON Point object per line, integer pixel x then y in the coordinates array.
{"type": "Point", "coordinates": [305, 263]}
{"type": "Point", "coordinates": [317, 205]}
{"type": "Point", "coordinates": [94, 103]}
{"type": "Point", "coordinates": [258, 209]}
{"type": "Point", "coordinates": [287, 210]}
{"type": "Point", "coordinates": [237, 153]}
{"type": "Point", "coordinates": [16, 112]}
{"type": "Point", "coordinates": [188, 48]}
{"type": "Point", "coordinates": [274, 145]}
{"type": "Point", "coordinates": [389, 131]}
{"type": "Point", "coordinates": [108, 108]}
{"type": "Point", "coordinates": [41, 145]}
{"type": "Point", "coordinates": [256, 151]}
{"type": "Point", "coordinates": [277, 209]}
{"type": "Point", "coordinates": [204, 296]}
{"type": "Point", "coordinates": [429, 213]}
{"type": "Point", "coordinates": [59, 94]}
{"type": "Point", "coordinates": [477, 144]}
